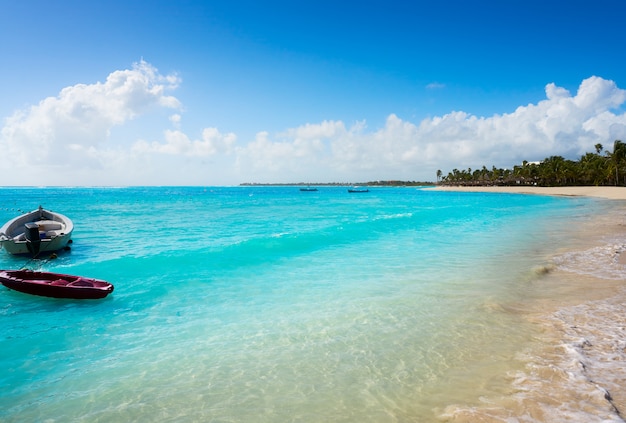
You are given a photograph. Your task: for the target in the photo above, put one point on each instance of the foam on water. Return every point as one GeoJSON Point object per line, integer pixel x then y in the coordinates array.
{"type": "Point", "coordinates": [580, 378]}
{"type": "Point", "coordinates": [602, 261]}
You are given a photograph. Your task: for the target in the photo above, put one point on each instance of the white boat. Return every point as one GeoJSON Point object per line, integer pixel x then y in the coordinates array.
{"type": "Point", "coordinates": [37, 232]}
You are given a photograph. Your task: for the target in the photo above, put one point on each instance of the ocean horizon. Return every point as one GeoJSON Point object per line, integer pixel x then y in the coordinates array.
{"type": "Point", "coordinates": [266, 303]}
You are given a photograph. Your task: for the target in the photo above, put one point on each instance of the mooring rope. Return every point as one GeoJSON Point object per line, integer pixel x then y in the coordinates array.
{"type": "Point", "coordinates": [41, 262]}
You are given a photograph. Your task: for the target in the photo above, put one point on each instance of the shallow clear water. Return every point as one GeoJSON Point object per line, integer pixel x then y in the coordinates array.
{"type": "Point", "coordinates": [269, 304]}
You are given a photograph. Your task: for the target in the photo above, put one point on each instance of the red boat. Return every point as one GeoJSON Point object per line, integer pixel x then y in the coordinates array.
{"type": "Point", "coordinates": [55, 285]}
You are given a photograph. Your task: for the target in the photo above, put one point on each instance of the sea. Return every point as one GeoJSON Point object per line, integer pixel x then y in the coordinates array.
{"type": "Point", "coordinates": [270, 304]}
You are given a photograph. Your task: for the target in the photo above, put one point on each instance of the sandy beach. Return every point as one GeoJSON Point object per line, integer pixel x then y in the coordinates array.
{"type": "Point", "coordinates": [578, 371]}
{"type": "Point", "coordinates": [611, 193]}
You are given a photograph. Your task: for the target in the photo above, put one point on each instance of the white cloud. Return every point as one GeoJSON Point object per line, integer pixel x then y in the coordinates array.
{"type": "Point", "coordinates": [175, 119]}
{"type": "Point", "coordinates": [68, 139]}
{"type": "Point", "coordinates": [290, 155]}
{"type": "Point", "coordinates": [326, 129]}
{"type": "Point", "coordinates": [435, 86]}
{"type": "Point", "coordinates": [80, 118]}
{"type": "Point", "coordinates": [561, 124]}
{"type": "Point", "coordinates": [177, 143]}
{"type": "Point", "coordinates": [554, 93]}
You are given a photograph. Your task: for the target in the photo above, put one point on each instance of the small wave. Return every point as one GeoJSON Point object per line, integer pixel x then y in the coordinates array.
{"type": "Point", "coordinates": [394, 216]}
{"type": "Point", "coordinates": [601, 262]}
{"type": "Point", "coordinates": [578, 376]}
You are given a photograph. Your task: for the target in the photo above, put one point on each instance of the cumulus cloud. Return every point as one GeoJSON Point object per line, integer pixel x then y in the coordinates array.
{"type": "Point", "coordinates": [74, 130]}
{"type": "Point", "coordinates": [175, 119]}
{"type": "Point", "coordinates": [562, 124]}
{"type": "Point", "coordinates": [554, 93]}
{"type": "Point", "coordinates": [81, 117]}
{"type": "Point", "coordinates": [178, 143]}
{"type": "Point", "coordinates": [292, 154]}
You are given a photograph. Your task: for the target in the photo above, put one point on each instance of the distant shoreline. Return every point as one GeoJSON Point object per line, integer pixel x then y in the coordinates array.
{"type": "Point", "coordinates": [607, 192]}
{"type": "Point", "coordinates": [611, 193]}
{"type": "Point", "coordinates": [343, 184]}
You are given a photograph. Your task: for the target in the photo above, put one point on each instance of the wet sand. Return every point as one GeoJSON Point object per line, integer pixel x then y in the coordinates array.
{"type": "Point", "coordinates": [576, 371]}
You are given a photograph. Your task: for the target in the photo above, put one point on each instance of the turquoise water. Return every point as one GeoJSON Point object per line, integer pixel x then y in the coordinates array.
{"type": "Point", "coordinates": [268, 304]}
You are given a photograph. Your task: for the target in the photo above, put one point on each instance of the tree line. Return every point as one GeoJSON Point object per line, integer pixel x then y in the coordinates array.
{"type": "Point", "coordinates": [599, 168]}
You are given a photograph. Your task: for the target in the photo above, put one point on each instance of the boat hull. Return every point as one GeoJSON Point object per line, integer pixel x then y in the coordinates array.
{"type": "Point", "coordinates": [49, 232]}
{"type": "Point", "coordinates": [55, 285]}
{"type": "Point", "coordinates": [20, 247]}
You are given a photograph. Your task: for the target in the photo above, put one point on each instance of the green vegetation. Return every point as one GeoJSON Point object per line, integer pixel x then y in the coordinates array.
{"type": "Point", "coordinates": [592, 169]}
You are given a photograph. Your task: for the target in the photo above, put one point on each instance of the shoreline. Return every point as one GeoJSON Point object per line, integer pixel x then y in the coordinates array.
{"type": "Point", "coordinates": [577, 367]}
{"type": "Point", "coordinates": [610, 193]}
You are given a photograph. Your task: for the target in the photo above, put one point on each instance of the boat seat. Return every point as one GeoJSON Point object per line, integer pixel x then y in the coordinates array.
{"type": "Point", "coordinates": [48, 225]}
{"type": "Point", "coordinates": [80, 283]}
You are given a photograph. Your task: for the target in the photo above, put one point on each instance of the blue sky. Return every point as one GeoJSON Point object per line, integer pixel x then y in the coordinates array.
{"type": "Point", "coordinates": [220, 93]}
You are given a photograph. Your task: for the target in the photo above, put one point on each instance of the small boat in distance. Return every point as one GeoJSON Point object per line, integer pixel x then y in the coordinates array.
{"type": "Point", "coordinates": [36, 232]}
{"type": "Point", "coordinates": [55, 285]}
{"type": "Point", "coordinates": [358, 189]}
{"type": "Point", "coordinates": [308, 188]}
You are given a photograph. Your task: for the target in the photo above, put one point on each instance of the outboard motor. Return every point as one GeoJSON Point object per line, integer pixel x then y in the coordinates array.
{"type": "Point", "coordinates": [33, 242]}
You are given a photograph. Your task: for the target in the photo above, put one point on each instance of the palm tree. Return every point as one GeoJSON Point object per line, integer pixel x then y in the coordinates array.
{"type": "Point", "coordinates": [591, 169]}
{"type": "Point", "coordinates": [618, 157]}
{"type": "Point", "coordinates": [553, 170]}
{"type": "Point", "coordinates": [599, 148]}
